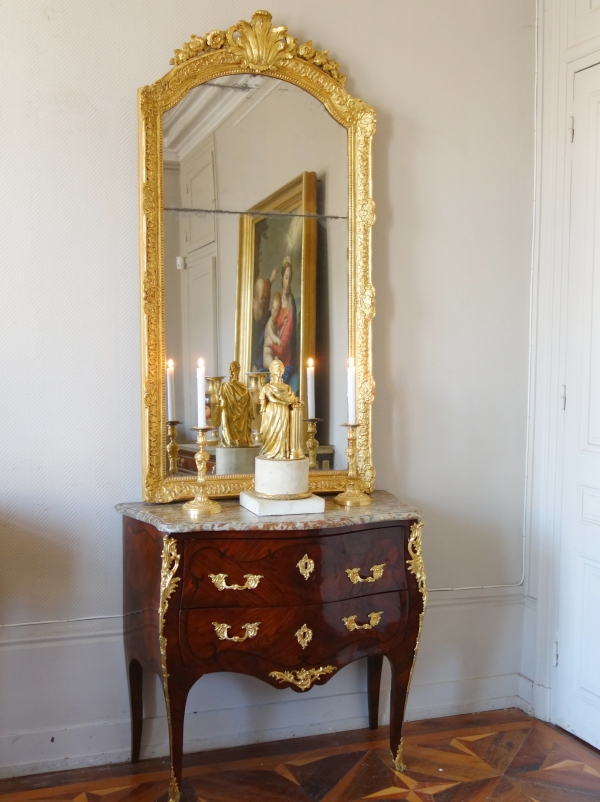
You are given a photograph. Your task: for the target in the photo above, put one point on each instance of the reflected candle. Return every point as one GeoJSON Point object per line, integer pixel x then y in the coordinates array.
{"type": "Point", "coordinates": [310, 388]}
{"type": "Point", "coordinates": [351, 392]}
{"type": "Point", "coordinates": [201, 394]}
{"type": "Point", "coordinates": [170, 390]}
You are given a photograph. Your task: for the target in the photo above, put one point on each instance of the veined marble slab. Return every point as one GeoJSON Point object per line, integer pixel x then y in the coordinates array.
{"type": "Point", "coordinates": [172, 518]}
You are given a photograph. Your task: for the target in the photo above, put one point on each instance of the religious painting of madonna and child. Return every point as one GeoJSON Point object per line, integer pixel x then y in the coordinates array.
{"type": "Point", "coordinates": [276, 299]}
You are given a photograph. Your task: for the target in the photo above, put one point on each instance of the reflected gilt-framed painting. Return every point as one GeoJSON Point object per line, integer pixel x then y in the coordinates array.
{"type": "Point", "coordinates": [276, 299]}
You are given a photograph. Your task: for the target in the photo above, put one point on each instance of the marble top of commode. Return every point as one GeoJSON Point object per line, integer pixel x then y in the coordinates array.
{"type": "Point", "coordinates": [172, 518]}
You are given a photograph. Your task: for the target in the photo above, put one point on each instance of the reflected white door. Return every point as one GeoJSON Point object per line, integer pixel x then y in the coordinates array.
{"type": "Point", "coordinates": [577, 694]}
{"type": "Point", "coordinates": [198, 191]}
{"type": "Point", "coordinates": [199, 322]}
{"type": "Point", "coordinates": [200, 183]}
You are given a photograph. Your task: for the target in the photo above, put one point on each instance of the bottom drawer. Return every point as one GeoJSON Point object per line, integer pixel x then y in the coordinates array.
{"type": "Point", "coordinates": [306, 634]}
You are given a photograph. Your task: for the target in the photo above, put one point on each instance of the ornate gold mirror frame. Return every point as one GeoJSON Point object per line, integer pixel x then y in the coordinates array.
{"type": "Point", "coordinates": [251, 47]}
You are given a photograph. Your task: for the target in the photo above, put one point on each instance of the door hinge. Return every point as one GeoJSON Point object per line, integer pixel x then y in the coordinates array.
{"type": "Point", "coordinates": [571, 129]}
{"type": "Point", "coordinates": [563, 396]}
{"type": "Point", "coordinates": [555, 654]}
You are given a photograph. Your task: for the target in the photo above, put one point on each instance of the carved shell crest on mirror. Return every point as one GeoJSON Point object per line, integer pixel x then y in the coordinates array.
{"type": "Point", "coordinates": [255, 231]}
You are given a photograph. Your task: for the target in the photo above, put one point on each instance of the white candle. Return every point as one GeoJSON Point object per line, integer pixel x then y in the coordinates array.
{"type": "Point", "coordinates": [351, 391]}
{"type": "Point", "coordinates": [170, 390]}
{"type": "Point", "coordinates": [310, 388]}
{"type": "Point", "coordinates": [201, 394]}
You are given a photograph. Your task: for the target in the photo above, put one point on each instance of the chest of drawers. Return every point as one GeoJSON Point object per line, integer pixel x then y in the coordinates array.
{"type": "Point", "coordinates": [289, 601]}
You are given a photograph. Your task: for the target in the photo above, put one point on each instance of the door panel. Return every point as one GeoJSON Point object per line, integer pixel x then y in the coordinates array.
{"type": "Point", "coordinates": [590, 678]}
{"type": "Point", "coordinates": [577, 696]}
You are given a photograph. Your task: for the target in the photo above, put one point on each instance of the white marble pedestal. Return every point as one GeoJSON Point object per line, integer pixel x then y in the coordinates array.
{"type": "Point", "coordinates": [260, 505]}
{"type": "Point", "coordinates": [281, 477]}
{"type": "Point", "coordinates": [281, 488]}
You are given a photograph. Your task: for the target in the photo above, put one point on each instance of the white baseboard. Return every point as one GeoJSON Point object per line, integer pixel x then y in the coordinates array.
{"type": "Point", "coordinates": [103, 742]}
{"type": "Point", "coordinates": [542, 702]}
{"type": "Point", "coordinates": [64, 704]}
{"type": "Point", "coordinates": [468, 695]}
{"type": "Point", "coordinates": [526, 694]}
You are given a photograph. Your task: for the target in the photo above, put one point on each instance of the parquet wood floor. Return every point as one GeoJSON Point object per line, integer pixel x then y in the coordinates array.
{"type": "Point", "coordinates": [504, 756]}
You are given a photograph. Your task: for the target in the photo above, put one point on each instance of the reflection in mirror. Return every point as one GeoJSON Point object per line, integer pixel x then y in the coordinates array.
{"type": "Point", "coordinates": [255, 261]}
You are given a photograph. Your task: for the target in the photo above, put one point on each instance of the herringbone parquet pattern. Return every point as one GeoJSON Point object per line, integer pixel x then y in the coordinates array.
{"type": "Point", "coordinates": [504, 756]}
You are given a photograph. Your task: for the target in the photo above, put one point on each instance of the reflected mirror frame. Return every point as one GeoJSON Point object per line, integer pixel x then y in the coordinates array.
{"type": "Point", "coordinates": [253, 47]}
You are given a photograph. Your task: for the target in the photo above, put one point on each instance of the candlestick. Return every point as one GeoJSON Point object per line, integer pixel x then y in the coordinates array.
{"type": "Point", "coordinates": [310, 388]}
{"type": "Point", "coordinates": [312, 444]}
{"type": "Point", "coordinates": [353, 495]}
{"type": "Point", "coordinates": [201, 393]}
{"type": "Point", "coordinates": [173, 447]}
{"type": "Point", "coordinates": [351, 392]}
{"type": "Point", "coordinates": [201, 504]}
{"type": "Point", "coordinates": [170, 390]}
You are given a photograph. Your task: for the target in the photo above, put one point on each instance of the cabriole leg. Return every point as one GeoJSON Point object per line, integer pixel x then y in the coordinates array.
{"type": "Point", "coordinates": [374, 666]}
{"type": "Point", "coordinates": [137, 708]}
{"type": "Point", "coordinates": [176, 699]}
{"type": "Point", "coordinates": [401, 672]}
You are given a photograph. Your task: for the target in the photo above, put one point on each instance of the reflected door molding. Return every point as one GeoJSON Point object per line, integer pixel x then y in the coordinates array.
{"type": "Point", "coordinates": [197, 177]}
{"type": "Point", "coordinates": [199, 323]}
{"type": "Point", "coordinates": [251, 48]}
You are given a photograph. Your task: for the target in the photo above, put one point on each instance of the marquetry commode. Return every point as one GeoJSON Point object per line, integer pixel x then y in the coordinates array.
{"type": "Point", "coordinates": [290, 601]}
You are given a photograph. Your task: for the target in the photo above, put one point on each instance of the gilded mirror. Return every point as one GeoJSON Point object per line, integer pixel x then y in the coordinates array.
{"type": "Point", "coordinates": [255, 227]}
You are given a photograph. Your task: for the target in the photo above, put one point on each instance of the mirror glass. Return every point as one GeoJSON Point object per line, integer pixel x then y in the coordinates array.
{"type": "Point", "coordinates": [255, 257]}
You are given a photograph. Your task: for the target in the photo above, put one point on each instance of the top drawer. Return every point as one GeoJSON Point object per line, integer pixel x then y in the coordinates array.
{"type": "Point", "coordinates": [271, 573]}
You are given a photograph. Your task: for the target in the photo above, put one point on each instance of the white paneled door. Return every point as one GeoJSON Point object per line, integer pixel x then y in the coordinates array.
{"type": "Point", "coordinates": [577, 692]}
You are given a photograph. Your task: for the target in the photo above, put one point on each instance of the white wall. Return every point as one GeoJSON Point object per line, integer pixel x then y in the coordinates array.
{"type": "Point", "coordinates": [452, 81]}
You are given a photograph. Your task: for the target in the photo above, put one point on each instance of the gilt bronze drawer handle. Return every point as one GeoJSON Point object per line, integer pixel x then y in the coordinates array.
{"type": "Point", "coordinates": [251, 631]}
{"type": "Point", "coordinates": [304, 678]}
{"type": "Point", "coordinates": [304, 636]}
{"type": "Point", "coordinates": [306, 566]}
{"type": "Point", "coordinates": [354, 574]}
{"type": "Point", "coordinates": [219, 582]}
{"type": "Point", "coordinates": [351, 625]}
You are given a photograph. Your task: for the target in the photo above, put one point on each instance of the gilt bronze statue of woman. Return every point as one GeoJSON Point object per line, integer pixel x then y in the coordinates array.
{"type": "Point", "coordinates": [281, 485]}
{"type": "Point", "coordinates": [276, 402]}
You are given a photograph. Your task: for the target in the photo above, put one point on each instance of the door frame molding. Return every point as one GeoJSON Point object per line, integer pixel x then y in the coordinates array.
{"type": "Point", "coordinates": [560, 55]}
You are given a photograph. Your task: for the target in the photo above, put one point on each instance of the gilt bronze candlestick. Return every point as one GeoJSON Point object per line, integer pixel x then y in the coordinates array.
{"type": "Point", "coordinates": [353, 496]}
{"type": "Point", "coordinates": [312, 444]}
{"type": "Point", "coordinates": [202, 504]}
{"type": "Point", "coordinates": [173, 446]}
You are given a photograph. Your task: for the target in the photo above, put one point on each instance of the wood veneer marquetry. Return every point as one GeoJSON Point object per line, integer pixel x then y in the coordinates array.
{"type": "Point", "coordinates": [277, 560]}
{"type": "Point", "coordinates": [276, 639]}
{"type": "Point", "coordinates": [501, 756]}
